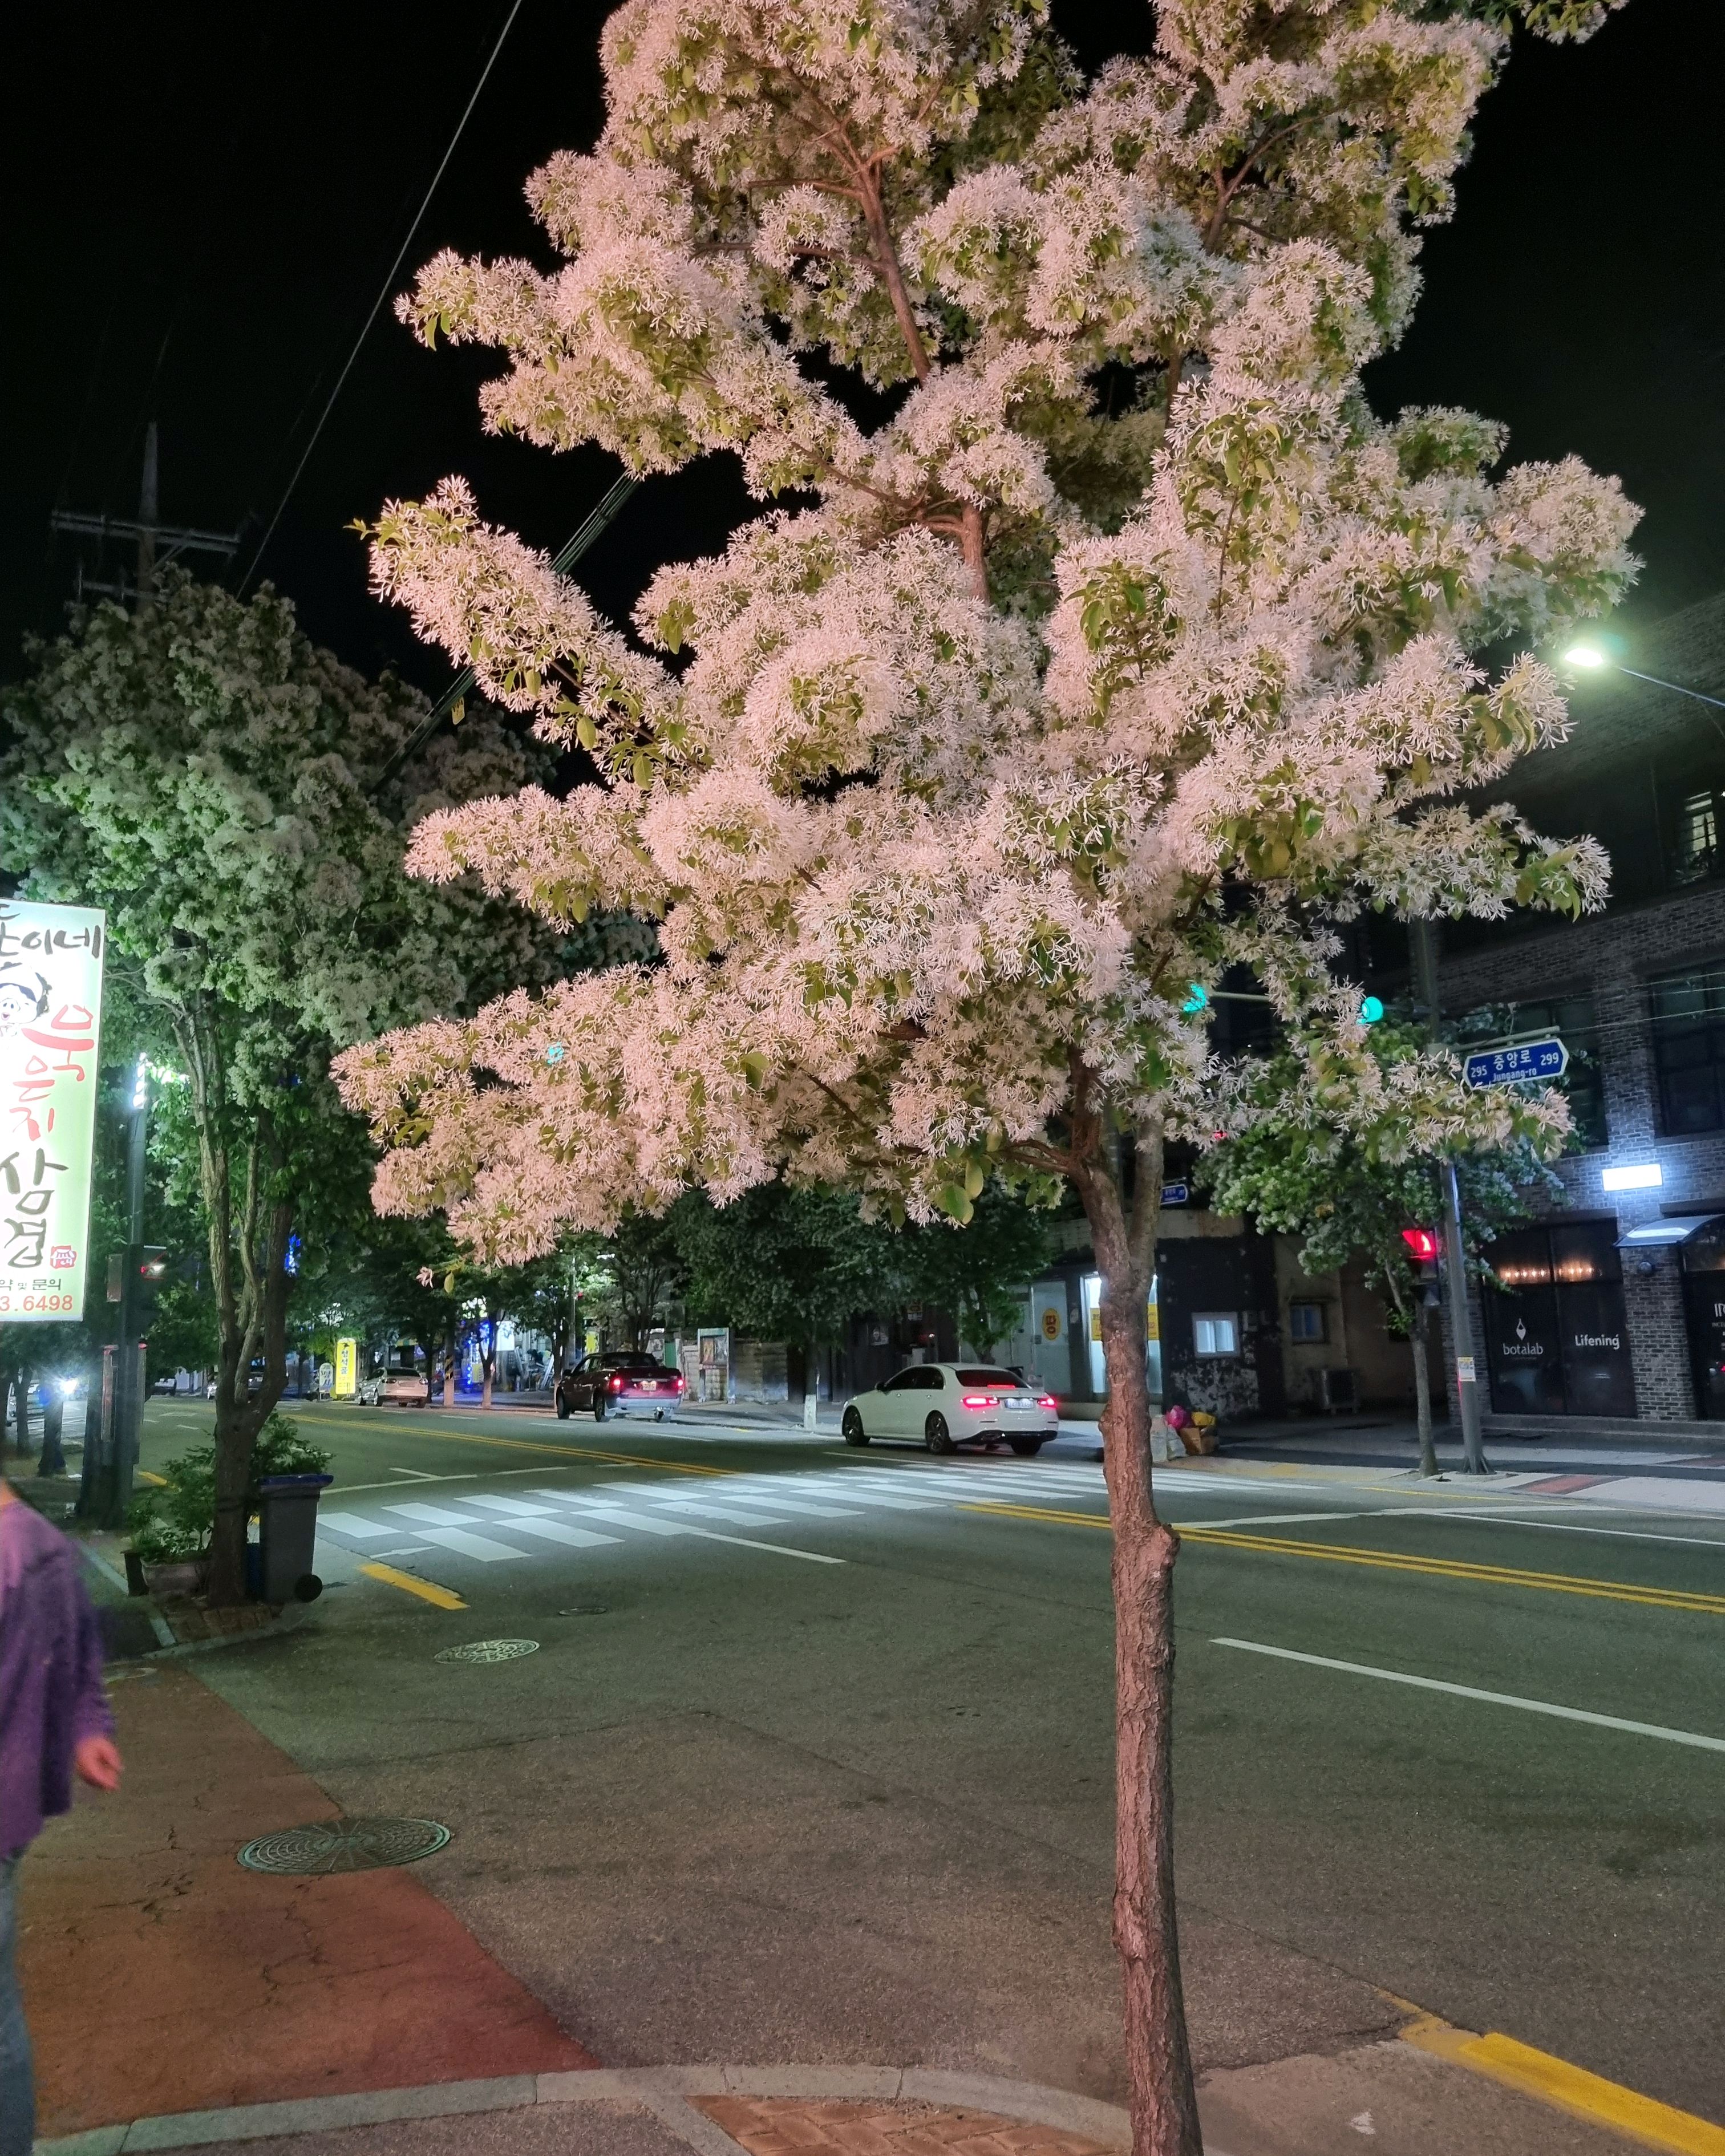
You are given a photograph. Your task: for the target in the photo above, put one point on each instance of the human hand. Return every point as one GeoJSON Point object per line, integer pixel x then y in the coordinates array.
{"type": "Point", "coordinates": [97, 1760]}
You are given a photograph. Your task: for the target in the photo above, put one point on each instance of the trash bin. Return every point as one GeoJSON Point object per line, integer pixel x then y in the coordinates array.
{"type": "Point", "coordinates": [287, 1527]}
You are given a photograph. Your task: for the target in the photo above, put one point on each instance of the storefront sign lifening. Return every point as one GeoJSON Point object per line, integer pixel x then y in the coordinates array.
{"type": "Point", "coordinates": [50, 1043]}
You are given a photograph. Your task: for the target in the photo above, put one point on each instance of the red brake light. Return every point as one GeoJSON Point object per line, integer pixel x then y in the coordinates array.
{"type": "Point", "coordinates": [1422, 1242]}
{"type": "Point", "coordinates": [978, 1400]}
{"type": "Point", "coordinates": [617, 1381]}
{"type": "Point", "coordinates": [1048, 1400]}
{"type": "Point", "coordinates": [678, 1383]}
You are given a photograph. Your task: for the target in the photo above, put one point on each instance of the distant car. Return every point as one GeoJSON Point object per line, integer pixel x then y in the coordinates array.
{"type": "Point", "coordinates": [600, 1385]}
{"type": "Point", "coordinates": [405, 1381]}
{"type": "Point", "coordinates": [948, 1404]}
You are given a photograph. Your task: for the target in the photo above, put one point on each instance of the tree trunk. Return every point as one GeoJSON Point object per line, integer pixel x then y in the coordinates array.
{"type": "Point", "coordinates": [449, 1360]}
{"type": "Point", "coordinates": [21, 1407]}
{"type": "Point", "coordinates": [54, 1409]}
{"type": "Point", "coordinates": [1419, 1334]}
{"type": "Point", "coordinates": [1164, 2104]}
{"type": "Point", "coordinates": [487, 1342]}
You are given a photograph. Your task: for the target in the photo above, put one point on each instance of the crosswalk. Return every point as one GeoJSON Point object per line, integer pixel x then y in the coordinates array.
{"type": "Point", "coordinates": [492, 1529]}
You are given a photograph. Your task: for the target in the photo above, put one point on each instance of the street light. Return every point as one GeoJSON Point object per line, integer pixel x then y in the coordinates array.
{"type": "Point", "coordinates": [1590, 658]}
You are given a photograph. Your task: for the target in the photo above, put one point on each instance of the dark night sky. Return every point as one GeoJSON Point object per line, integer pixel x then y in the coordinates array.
{"type": "Point", "coordinates": [202, 201]}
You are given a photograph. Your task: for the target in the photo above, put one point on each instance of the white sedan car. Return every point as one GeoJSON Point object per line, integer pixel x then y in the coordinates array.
{"type": "Point", "coordinates": [947, 1404]}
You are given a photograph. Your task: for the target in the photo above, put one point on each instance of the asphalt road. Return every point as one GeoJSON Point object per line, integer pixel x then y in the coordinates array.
{"type": "Point", "coordinates": [813, 1757]}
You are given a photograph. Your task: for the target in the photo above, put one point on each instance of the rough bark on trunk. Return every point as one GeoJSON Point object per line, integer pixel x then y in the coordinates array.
{"type": "Point", "coordinates": [1164, 2104]}
{"type": "Point", "coordinates": [54, 1409]}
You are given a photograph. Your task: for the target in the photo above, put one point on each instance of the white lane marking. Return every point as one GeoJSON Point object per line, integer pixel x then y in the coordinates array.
{"type": "Point", "coordinates": [1491, 1698]}
{"type": "Point", "coordinates": [797, 1505]}
{"type": "Point", "coordinates": [479, 1546]}
{"type": "Point", "coordinates": [342, 1489]}
{"type": "Point", "coordinates": [1278, 1519]}
{"type": "Point", "coordinates": [554, 1531]}
{"type": "Point", "coordinates": [514, 1506]}
{"type": "Point", "coordinates": [406, 1549]}
{"type": "Point", "coordinates": [1549, 1527]}
{"type": "Point", "coordinates": [432, 1516]}
{"type": "Point", "coordinates": [350, 1523]}
{"type": "Point", "coordinates": [778, 1549]}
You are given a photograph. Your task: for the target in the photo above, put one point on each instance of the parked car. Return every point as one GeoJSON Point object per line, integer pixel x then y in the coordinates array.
{"type": "Point", "coordinates": [600, 1385]}
{"type": "Point", "coordinates": [948, 1404]}
{"type": "Point", "coordinates": [404, 1380]}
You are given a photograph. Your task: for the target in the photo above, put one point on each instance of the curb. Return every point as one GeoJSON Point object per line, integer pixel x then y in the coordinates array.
{"type": "Point", "coordinates": [663, 2091]}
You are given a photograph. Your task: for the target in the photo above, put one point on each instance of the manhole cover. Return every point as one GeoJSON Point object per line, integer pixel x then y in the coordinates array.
{"type": "Point", "coordinates": [488, 1650]}
{"type": "Point", "coordinates": [345, 1845]}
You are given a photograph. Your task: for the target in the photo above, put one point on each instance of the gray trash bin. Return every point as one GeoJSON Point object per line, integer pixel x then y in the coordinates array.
{"type": "Point", "coordinates": [287, 1528]}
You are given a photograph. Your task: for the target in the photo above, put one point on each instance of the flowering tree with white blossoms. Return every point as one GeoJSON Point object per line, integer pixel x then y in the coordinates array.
{"type": "Point", "coordinates": [1129, 647]}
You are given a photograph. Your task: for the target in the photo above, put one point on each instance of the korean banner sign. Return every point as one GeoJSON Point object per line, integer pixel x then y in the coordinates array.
{"type": "Point", "coordinates": [50, 1034]}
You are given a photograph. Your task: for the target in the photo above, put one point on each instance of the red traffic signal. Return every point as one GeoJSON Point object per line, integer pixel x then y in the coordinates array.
{"type": "Point", "coordinates": [1422, 1242]}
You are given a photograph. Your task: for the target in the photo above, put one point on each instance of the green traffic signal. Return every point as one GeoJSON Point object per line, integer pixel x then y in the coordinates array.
{"type": "Point", "coordinates": [1371, 1010]}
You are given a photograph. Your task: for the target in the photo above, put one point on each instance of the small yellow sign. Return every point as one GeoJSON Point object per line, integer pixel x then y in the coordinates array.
{"type": "Point", "coordinates": [346, 1369]}
{"type": "Point", "coordinates": [1153, 1322]}
{"type": "Point", "coordinates": [1050, 1323]}
{"type": "Point", "coordinates": [1096, 1321]}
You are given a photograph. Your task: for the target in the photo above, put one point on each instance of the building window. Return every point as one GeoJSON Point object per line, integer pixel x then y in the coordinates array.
{"type": "Point", "coordinates": [1689, 1050]}
{"type": "Point", "coordinates": [1216, 1332]}
{"type": "Point", "coordinates": [1573, 1020]}
{"type": "Point", "coordinates": [1306, 1322]}
{"type": "Point", "coordinates": [1697, 838]}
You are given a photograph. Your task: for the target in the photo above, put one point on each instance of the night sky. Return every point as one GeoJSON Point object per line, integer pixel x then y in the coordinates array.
{"type": "Point", "coordinates": [203, 200]}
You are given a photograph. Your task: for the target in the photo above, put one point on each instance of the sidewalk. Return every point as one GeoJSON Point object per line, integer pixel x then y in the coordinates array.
{"type": "Point", "coordinates": [179, 2000]}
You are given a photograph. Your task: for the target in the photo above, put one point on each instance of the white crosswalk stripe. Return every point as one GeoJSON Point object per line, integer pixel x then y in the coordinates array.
{"type": "Point", "coordinates": [467, 1545]}
{"type": "Point", "coordinates": [605, 1514]}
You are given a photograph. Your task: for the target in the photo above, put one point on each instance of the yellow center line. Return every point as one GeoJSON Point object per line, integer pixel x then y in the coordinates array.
{"type": "Point", "coordinates": [1553, 1583]}
{"type": "Point", "coordinates": [532, 1445]}
{"type": "Point", "coordinates": [428, 1590]}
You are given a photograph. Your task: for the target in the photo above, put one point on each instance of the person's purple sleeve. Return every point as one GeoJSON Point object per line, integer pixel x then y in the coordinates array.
{"type": "Point", "coordinates": [91, 1714]}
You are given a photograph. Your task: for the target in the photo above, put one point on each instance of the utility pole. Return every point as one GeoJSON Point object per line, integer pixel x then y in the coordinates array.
{"type": "Point", "coordinates": [1452, 1252]}
{"type": "Point", "coordinates": [122, 1438]}
{"type": "Point", "coordinates": [157, 543]}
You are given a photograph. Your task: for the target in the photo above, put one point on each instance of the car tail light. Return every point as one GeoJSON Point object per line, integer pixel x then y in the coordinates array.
{"type": "Point", "coordinates": [1048, 1400]}
{"type": "Point", "coordinates": [617, 1381]}
{"type": "Point", "coordinates": [678, 1383]}
{"type": "Point", "coordinates": [978, 1400]}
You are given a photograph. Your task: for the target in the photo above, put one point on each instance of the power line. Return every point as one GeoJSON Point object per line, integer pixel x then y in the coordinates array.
{"type": "Point", "coordinates": [383, 293]}
{"type": "Point", "coordinates": [592, 525]}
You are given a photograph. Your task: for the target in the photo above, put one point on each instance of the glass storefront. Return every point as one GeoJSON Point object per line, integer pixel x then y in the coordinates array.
{"type": "Point", "coordinates": [1704, 1308]}
{"type": "Point", "coordinates": [1556, 1342]}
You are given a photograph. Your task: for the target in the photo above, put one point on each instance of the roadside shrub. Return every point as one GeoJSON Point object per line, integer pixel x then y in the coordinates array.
{"type": "Point", "coordinates": [176, 1522]}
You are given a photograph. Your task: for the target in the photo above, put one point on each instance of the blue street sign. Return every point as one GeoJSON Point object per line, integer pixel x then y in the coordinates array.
{"type": "Point", "coordinates": [1175, 1193]}
{"type": "Point", "coordinates": [1528, 1058]}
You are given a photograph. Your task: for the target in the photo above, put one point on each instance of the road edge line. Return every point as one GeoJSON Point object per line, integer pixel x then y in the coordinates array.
{"type": "Point", "coordinates": [1553, 2082]}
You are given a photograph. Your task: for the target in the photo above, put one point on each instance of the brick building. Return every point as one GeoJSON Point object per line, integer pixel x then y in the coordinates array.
{"type": "Point", "coordinates": [1615, 1300]}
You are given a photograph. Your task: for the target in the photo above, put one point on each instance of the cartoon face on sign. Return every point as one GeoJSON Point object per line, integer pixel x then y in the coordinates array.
{"type": "Point", "coordinates": [21, 999]}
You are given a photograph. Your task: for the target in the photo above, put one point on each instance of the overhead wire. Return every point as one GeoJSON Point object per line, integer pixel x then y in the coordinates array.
{"type": "Point", "coordinates": [383, 292]}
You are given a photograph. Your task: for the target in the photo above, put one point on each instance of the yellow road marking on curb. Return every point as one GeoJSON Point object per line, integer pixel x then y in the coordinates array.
{"type": "Point", "coordinates": [1554, 1583]}
{"type": "Point", "coordinates": [428, 1590]}
{"type": "Point", "coordinates": [1536, 2074]}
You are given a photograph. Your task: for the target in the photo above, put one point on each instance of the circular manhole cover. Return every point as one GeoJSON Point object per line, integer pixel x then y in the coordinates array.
{"type": "Point", "coordinates": [345, 1845]}
{"type": "Point", "coordinates": [488, 1650]}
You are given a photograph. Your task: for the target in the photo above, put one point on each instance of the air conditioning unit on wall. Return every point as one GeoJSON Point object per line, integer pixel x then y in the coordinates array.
{"type": "Point", "coordinates": [1334, 1391]}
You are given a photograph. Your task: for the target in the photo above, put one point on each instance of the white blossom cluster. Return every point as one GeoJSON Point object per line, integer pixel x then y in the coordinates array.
{"type": "Point", "coordinates": [946, 792]}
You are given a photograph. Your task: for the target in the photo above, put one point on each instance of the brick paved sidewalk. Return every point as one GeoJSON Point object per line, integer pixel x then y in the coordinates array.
{"type": "Point", "coordinates": [790, 2126]}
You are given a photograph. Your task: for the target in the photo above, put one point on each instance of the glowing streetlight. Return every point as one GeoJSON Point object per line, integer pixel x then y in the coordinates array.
{"type": "Point", "coordinates": [1590, 658]}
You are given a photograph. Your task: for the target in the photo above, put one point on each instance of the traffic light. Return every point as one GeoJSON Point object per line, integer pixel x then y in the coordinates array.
{"type": "Point", "coordinates": [148, 1265]}
{"type": "Point", "coordinates": [1422, 1246]}
{"type": "Point", "coordinates": [1371, 1010]}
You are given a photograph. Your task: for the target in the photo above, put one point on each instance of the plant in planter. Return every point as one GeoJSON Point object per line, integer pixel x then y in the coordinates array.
{"type": "Point", "coordinates": [171, 1526]}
